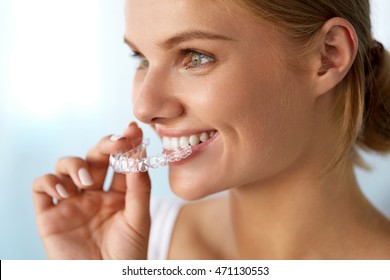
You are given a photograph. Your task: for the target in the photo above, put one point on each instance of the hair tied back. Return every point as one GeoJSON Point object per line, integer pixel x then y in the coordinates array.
{"type": "Point", "coordinates": [376, 52]}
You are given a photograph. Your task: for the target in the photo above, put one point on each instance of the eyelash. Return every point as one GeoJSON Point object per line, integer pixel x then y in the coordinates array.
{"type": "Point", "coordinates": [187, 55]}
{"type": "Point", "coordinates": [141, 58]}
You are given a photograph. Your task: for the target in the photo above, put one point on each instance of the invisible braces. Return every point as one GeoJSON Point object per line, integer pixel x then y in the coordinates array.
{"type": "Point", "coordinates": [133, 161]}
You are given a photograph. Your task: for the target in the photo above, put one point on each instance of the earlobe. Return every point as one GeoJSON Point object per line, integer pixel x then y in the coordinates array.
{"type": "Point", "coordinates": [338, 47]}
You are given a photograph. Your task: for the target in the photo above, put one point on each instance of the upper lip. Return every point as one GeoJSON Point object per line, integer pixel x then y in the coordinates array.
{"type": "Point", "coordinates": [176, 132]}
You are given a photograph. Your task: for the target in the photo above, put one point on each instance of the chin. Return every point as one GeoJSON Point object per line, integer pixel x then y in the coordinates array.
{"type": "Point", "coordinates": [189, 188]}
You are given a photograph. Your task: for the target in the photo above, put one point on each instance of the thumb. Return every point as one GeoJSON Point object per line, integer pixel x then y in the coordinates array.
{"type": "Point", "coordinates": [137, 201]}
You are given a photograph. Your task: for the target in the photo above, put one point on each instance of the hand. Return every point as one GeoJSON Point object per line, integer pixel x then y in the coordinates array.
{"type": "Point", "coordinates": [87, 222]}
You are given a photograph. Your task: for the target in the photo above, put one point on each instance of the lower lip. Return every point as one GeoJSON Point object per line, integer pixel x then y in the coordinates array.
{"type": "Point", "coordinates": [198, 148]}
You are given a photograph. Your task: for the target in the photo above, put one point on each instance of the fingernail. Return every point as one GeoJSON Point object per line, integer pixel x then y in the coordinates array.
{"type": "Point", "coordinates": [115, 138]}
{"type": "Point", "coordinates": [85, 178]}
{"type": "Point", "coordinates": [133, 124]}
{"type": "Point", "coordinates": [62, 191]}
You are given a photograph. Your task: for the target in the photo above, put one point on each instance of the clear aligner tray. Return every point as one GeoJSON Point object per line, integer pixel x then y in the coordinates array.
{"type": "Point", "coordinates": [136, 160]}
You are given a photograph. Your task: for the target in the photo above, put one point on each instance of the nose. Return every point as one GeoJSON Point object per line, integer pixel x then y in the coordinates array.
{"type": "Point", "coordinates": [154, 98]}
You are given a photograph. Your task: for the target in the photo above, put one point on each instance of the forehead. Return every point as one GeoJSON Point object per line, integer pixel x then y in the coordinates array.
{"type": "Point", "coordinates": [160, 11]}
{"type": "Point", "coordinates": [157, 19]}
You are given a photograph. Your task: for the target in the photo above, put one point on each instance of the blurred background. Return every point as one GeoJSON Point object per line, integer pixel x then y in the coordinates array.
{"type": "Point", "coordinates": [65, 81]}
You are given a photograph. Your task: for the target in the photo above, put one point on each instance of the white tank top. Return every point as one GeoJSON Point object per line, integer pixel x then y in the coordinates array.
{"type": "Point", "coordinates": [163, 214]}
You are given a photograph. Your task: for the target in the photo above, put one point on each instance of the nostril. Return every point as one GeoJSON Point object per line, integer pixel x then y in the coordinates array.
{"type": "Point", "coordinates": [157, 110]}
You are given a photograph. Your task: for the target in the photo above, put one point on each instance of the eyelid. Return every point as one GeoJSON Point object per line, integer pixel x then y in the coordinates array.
{"type": "Point", "coordinates": [143, 62]}
{"type": "Point", "coordinates": [135, 53]}
{"type": "Point", "coordinates": [185, 53]}
{"type": "Point", "coordinates": [190, 50]}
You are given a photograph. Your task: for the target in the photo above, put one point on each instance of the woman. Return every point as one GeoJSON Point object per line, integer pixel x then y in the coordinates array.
{"type": "Point", "coordinates": [283, 93]}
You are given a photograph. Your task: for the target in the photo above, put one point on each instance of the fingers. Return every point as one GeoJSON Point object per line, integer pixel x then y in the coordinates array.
{"type": "Point", "coordinates": [91, 172]}
{"type": "Point", "coordinates": [133, 135]}
{"type": "Point", "coordinates": [74, 173]}
{"type": "Point", "coordinates": [97, 158]}
{"type": "Point", "coordinates": [50, 186]}
{"type": "Point", "coordinates": [136, 186]}
{"type": "Point", "coordinates": [137, 200]}
{"type": "Point", "coordinates": [98, 155]}
{"type": "Point", "coordinates": [77, 169]}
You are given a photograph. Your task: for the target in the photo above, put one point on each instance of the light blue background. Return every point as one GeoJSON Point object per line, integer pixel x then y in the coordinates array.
{"type": "Point", "coordinates": [65, 81]}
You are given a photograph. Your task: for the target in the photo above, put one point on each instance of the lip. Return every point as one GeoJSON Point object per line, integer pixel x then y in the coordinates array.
{"type": "Point", "coordinates": [195, 150]}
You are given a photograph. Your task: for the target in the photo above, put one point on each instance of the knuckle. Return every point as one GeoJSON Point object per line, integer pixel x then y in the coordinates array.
{"type": "Point", "coordinates": [41, 178]}
{"type": "Point", "coordinates": [37, 181]}
{"type": "Point", "coordinates": [66, 162]}
{"type": "Point", "coordinates": [44, 180]}
{"type": "Point", "coordinates": [68, 159]}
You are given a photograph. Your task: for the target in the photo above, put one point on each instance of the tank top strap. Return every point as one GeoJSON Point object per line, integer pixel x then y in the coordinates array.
{"type": "Point", "coordinates": [163, 213]}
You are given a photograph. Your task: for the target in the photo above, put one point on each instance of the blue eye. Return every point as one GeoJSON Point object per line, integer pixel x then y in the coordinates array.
{"type": "Point", "coordinates": [195, 59]}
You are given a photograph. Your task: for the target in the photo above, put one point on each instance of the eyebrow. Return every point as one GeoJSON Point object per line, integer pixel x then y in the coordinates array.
{"type": "Point", "coordinates": [186, 36]}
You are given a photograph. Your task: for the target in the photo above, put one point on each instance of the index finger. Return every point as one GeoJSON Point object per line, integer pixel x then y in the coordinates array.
{"type": "Point", "coordinates": [98, 156]}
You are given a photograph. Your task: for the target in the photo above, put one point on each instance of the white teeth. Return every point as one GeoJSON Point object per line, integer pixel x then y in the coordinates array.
{"type": "Point", "coordinates": [174, 143]}
{"type": "Point", "coordinates": [204, 137]}
{"type": "Point", "coordinates": [166, 143]}
{"type": "Point", "coordinates": [194, 140]}
{"type": "Point", "coordinates": [182, 142]}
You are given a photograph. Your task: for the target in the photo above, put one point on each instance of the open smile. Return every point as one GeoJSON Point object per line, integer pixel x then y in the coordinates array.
{"type": "Point", "coordinates": [173, 143]}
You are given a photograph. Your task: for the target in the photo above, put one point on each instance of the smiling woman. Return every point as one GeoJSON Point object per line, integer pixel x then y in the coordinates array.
{"type": "Point", "coordinates": [273, 102]}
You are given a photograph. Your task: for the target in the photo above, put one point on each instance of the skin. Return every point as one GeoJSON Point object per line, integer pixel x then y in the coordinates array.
{"type": "Point", "coordinates": [275, 134]}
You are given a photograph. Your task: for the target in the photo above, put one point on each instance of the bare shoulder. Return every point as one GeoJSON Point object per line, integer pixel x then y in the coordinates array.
{"type": "Point", "coordinates": [197, 228]}
{"type": "Point", "coordinates": [202, 228]}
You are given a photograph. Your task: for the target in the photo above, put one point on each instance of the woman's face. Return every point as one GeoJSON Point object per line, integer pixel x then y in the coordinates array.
{"type": "Point", "coordinates": [206, 67]}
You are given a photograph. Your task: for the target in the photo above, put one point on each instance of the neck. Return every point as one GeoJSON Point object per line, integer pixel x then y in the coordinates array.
{"type": "Point", "coordinates": [297, 216]}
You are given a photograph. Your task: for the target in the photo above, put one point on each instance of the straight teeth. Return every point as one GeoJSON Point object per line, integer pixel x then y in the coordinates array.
{"type": "Point", "coordinates": [176, 149]}
{"type": "Point", "coordinates": [135, 160]}
{"type": "Point", "coordinates": [173, 143]}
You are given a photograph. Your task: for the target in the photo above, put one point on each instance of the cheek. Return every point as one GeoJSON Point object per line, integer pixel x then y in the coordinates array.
{"type": "Point", "coordinates": [276, 128]}
{"type": "Point", "coordinates": [263, 118]}
{"type": "Point", "coordinates": [266, 118]}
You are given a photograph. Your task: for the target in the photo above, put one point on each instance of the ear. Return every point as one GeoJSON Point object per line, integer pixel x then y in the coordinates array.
{"type": "Point", "coordinates": [338, 45]}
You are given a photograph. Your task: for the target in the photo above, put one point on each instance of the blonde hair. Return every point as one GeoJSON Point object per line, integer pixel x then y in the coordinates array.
{"type": "Point", "coordinates": [363, 109]}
